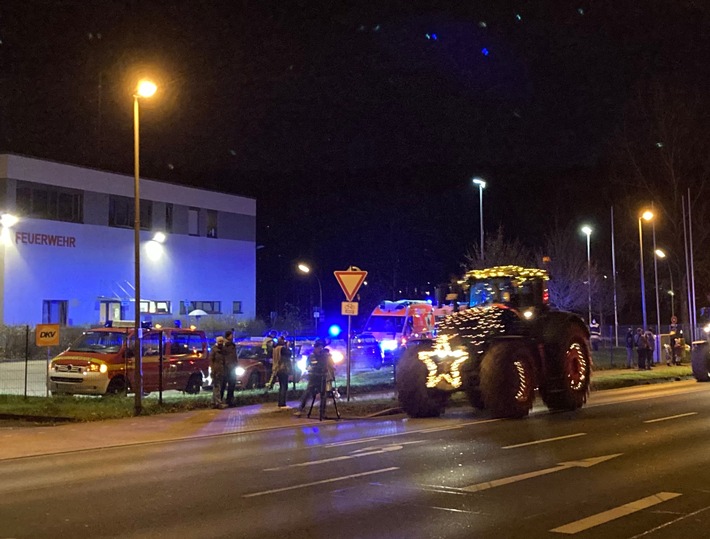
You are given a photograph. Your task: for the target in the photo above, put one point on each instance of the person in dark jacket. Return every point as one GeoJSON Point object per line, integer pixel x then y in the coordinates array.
{"type": "Point", "coordinates": [217, 372]}
{"type": "Point", "coordinates": [629, 348]}
{"type": "Point", "coordinates": [229, 349]}
{"type": "Point", "coordinates": [281, 369]}
{"type": "Point", "coordinates": [321, 369]}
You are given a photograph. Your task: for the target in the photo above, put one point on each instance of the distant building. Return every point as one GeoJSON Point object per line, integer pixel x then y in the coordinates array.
{"type": "Point", "coordinates": [69, 256]}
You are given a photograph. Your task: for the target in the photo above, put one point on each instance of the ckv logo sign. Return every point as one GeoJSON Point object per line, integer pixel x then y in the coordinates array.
{"type": "Point", "coordinates": [47, 335]}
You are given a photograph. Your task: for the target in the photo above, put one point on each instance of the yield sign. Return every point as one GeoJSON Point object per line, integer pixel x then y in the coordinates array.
{"type": "Point", "coordinates": [350, 280]}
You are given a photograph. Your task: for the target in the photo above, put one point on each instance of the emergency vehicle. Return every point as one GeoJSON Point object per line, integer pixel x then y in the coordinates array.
{"type": "Point", "coordinates": [101, 361]}
{"type": "Point", "coordinates": [392, 323]}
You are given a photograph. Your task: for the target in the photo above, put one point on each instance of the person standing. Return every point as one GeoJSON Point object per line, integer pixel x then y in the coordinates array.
{"type": "Point", "coordinates": [217, 372]}
{"type": "Point", "coordinates": [629, 348]}
{"type": "Point", "coordinates": [641, 348]}
{"type": "Point", "coordinates": [320, 369]}
{"type": "Point", "coordinates": [281, 369]}
{"type": "Point", "coordinates": [229, 350]}
{"type": "Point", "coordinates": [651, 347]}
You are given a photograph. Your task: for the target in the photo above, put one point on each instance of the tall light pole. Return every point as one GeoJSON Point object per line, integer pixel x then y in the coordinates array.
{"type": "Point", "coordinates": [481, 186]}
{"type": "Point", "coordinates": [645, 216]}
{"type": "Point", "coordinates": [588, 231]}
{"type": "Point", "coordinates": [660, 253]}
{"type": "Point", "coordinates": [144, 89]}
{"type": "Point", "coordinates": [305, 268]}
{"type": "Point", "coordinates": [658, 303]}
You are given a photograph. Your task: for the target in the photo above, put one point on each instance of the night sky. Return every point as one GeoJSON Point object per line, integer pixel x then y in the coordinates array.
{"type": "Point", "coordinates": [358, 125]}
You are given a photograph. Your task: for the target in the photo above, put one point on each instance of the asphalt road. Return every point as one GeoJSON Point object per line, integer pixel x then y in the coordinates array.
{"type": "Point", "coordinates": [633, 463]}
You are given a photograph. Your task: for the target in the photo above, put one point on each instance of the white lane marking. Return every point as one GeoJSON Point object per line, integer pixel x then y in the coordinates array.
{"type": "Point", "coordinates": [617, 512]}
{"type": "Point", "coordinates": [365, 452]}
{"type": "Point", "coordinates": [670, 417]}
{"type": "Point", "coordinates": [584, 463]}
{"type": "Point", "coordinates": [331, 480]}
{"type": "Point", "coordinates": [545, 440]}
{"type": "Point", "coordinates": [671, 523]}
{"type": "Point", "coordinates": [418, 431]}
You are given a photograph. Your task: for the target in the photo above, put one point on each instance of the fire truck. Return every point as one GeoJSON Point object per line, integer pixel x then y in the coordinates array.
{"type": "Point", "coordinates": [102, 361]}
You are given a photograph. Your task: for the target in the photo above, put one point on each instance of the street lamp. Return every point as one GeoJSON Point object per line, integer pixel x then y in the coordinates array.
{"type": "Point", "coordinates": [645, 216]}
{"type": "Point", "coordinates": [304, 268]}
{"type": "Point", "coordinates": [661, 254]}
{"type": "Point", "coordinates": [588, 231]}
{"type": "Point", "coordinates": [144, 89]}
{"type": "Point", "coordinates": [481, 186]}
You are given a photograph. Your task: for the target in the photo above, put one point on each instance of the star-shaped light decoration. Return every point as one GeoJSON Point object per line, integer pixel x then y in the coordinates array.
{"type": "Point", "coordinates": [443, 356]}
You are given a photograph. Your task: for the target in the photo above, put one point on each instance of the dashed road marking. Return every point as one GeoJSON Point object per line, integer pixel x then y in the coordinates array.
{"type": "Point", "coordinates": [617, 512]}
{"type": "Point", "coordinates": [546, 440]}
{"type": "Point", "coordinates": [670, 417]}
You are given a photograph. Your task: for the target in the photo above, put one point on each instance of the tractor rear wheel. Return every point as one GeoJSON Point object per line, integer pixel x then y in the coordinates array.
{"type": "Point", "coordinates": [573, 364]}
{"type": "Point", "coordinates": [415, 398]}
{"type": "Point", "coordinates": [507, 380]}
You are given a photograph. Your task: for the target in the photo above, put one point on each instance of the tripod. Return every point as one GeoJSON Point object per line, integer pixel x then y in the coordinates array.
{"type": "Point", "coordinates": [325, 392]}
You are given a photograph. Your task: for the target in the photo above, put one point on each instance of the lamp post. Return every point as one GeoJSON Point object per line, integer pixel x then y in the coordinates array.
{"type": "Point", "coordinates": [662, 255]}
{"type": "Point", "coordinates": [645, 216]}
{"type": "Point", "coordinates": [587, 230]}
{"type": "Point", "coordinates": [304, 268]}
{"type": "Point", "coordinates": [144, 89]}
{"type": "Point", "coordinates": [658, 303]}
{"type": "Point", "coordinates": [481, 186]}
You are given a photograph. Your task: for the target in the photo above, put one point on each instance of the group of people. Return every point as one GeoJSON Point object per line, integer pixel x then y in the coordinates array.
{"type": "Point", "coordinates": [645, 343]}
{"type": "Point", "coordinates": [223, 364]}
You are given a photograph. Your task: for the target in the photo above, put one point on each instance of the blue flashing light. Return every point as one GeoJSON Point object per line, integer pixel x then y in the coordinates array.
{"type": "Point", "coordinates": [485, 51]}
{"type": "Point", "coordinates": [334, 330]}
{"type": "Point", "coordinates": [434, 37]}
{"type": "Point", "coordinates": [177, 323]}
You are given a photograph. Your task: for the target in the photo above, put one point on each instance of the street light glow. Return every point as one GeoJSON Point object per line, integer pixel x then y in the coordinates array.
{"type": "Point", "coordinates": [647, 215]}
{"type": "Point", "coordinates": [303, 268]}
{"type": "Point", "coordinates": [146, 88]}
{"type": "Point", "coordinates": [480, 182]}
{"type": "Point", "coordinates": [660, 253]}
{"type": "Point", "coordinates": [587, 230]}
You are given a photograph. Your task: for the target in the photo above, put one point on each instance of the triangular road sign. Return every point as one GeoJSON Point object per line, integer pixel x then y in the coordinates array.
{"type": "Point", "coordinates": [350, 281]}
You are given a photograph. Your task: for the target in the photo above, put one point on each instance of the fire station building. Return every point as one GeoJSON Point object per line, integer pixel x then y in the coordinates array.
{"type": "Point", "coordinates": [67, 247]}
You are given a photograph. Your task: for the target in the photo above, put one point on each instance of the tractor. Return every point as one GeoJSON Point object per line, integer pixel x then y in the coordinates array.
{"type": "Point", "coordinates": [501, 343]}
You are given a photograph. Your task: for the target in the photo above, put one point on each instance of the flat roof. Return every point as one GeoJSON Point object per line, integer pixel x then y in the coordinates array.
{"type": "Point", "coordinates": [75, 177]}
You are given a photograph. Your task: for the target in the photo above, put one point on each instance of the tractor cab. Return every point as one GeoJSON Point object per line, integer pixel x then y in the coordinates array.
{"type": "Point", "coordinates": [514, 286]}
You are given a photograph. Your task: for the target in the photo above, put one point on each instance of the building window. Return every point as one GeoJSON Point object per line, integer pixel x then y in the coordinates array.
{"type": "Point", "coordinates": [121, 212]}
{"type": "Point", "coordinates": [211, 224]}
{"type": "Point", "coordinates": [162, 307]}
{"type": "Point", "coordinates": [237, 307]}
{"type": "Point", "coordinates": [210, 307]}
{"type": "Point", "coordinates": [168, 218]}
{"type": "Point", "coordinates": [48, 202]}
{"type": "Point", "coordinates": [54, 311]}
{"type": "Point", "coordinates": [193, 221]}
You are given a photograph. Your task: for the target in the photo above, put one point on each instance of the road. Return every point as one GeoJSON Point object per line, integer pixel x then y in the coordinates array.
{"type": "Point", "coordinates": [634, 463]}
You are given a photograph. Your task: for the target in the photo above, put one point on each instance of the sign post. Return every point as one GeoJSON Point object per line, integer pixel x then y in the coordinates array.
{"type": "Point", "coordinates": [45, 335]}
{"type": "Point", "coordinates": [350, 281]}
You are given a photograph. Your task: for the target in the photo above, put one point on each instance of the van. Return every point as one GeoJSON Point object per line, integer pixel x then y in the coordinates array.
{"type": "Point", "coordinates": [101, 361]}
{"type": "Point", "coordinates": [392, 323]}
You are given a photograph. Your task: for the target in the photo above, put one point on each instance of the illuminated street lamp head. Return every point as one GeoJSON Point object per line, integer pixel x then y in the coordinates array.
{"type": "Point", "coordinates": [480, 182]}
{"type": "Point", "coordinates": [586, 229]}
{"type": "Point", "coordinates": [303, 268]}
{"type": "Point", "coordinates": [647, 215]}
{"type": "Point", "coordinates": [146, 88]}
{"type": "Point", "coordinates": [660, 253]}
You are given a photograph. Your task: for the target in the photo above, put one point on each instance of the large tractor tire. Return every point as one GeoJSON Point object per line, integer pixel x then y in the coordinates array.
{"type": "Point", "coordinates": [700, 361]}
{"type": "Point", "coordinates": [569, 368]}
{"type": "Point", "coordinates": [507, 380]}
{"type": "Point", "coordinates": [415, 398]}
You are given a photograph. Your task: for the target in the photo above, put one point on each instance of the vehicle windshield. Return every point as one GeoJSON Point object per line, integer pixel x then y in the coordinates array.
{"type": "Point", "coordinates": [250, 351]}
{"type": "Point", "coordinates": [385, 324]}
{"type": "Point", "coordinates": [502, 290]}
{"type": "Point", "coordinates": [102, 342]}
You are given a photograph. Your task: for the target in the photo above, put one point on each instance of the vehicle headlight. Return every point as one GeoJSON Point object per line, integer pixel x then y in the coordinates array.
{"type": "Point", "coordinates": [97, 367]}
{"type": "Point", "coordinates": [337, 356]}
{"type": "Point", "coordinates": [706, 329]}
{"type": "Point", "coordinates": [240, 371]}
{"type": "Point", "coordinates": [388, 345]}
{"type": "Point", "coordinates": [302, 363]}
